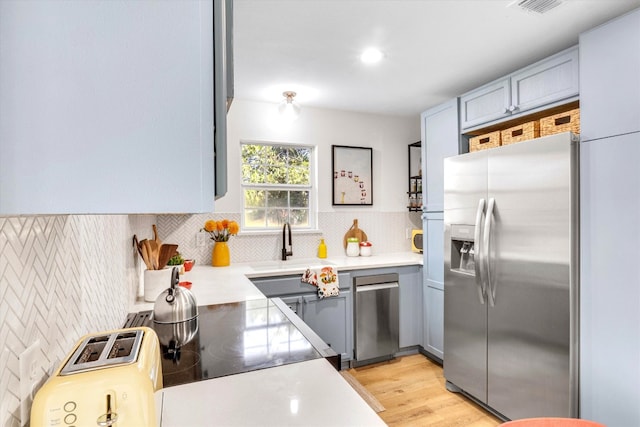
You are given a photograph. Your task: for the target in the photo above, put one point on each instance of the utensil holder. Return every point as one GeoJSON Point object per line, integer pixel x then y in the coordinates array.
{"type": "Point", "coordinates": [155, 282]}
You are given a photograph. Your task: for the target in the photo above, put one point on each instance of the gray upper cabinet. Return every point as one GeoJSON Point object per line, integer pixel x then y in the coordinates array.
{"type": "Point", "coordinates": [610, 78]}
{"type": "Point", "coordinates": [486, 104]}
{"type": "Point", "coordinates": [552, 81]}
{"type": "Point", "coordinates": [440, 139]}
{"type": "Point", "coordinates": [111, 112]}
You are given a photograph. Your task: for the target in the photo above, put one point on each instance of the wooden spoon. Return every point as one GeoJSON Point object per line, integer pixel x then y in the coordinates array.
{"type": "Point", "coordinates": [155, 235]}
{"type": "Point", "coordinates": [166, 252]}
{"type": "Point", "coordinates": [152, 253]}
{"type": "Point", "coordinates": [145, 254]}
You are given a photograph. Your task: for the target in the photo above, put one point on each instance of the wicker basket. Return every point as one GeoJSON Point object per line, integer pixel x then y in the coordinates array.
{"type": "Point", "coordinates": [563, 122]}
{"type": "Point", "coordinates": [523, 132]}
{"type": "Point", "coordinates": [482, 142]}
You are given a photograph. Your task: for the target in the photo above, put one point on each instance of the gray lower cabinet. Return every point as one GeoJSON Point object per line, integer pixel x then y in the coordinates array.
{"type": "Point", "coordinates": [544, 84]}
{"type": "Point", "coordinates": [433, 341]}
{"type": "Point", "coordinates": [410, 311]}
{"type": "Point", "coordinates": [610, 78]}
{"type": "Point", "coordinates": [331, 318]}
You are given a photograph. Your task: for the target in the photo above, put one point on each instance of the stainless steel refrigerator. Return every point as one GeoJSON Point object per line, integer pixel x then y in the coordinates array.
{"type": "Point", "coordinates": [511, 277]}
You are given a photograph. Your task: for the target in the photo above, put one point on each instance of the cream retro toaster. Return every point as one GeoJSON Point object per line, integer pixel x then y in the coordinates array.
{"type": "Point", "coordinates": [108, 379]}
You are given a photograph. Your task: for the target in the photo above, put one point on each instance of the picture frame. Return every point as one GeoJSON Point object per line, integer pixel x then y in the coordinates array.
{"type": "Point", "coordinates": [352, 175]}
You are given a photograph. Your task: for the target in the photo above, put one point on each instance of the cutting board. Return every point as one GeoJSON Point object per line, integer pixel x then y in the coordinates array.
{"type": "Point", "coordinates": [354, 231]}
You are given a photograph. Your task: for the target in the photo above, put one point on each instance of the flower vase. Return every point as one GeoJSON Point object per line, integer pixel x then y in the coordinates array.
{"type": "Point", "coordinates": [220, 255]}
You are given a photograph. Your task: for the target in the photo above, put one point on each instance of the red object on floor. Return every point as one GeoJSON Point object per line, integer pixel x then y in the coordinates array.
{"type": "Point", "coordinates": [551, 422]}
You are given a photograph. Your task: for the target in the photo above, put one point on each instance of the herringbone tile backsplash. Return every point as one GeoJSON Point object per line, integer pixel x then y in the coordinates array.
{"type": "Point", "coordinates": [386, 230]}
{"type": "Point", "coordinates": [60, 278]}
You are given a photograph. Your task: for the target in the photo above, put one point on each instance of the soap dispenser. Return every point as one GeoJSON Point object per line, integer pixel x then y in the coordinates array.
{"type": "Point", "coordinates": [322, 249]}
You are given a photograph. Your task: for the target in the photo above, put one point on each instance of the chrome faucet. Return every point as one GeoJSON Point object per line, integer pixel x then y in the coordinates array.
{"type": "Point", "coordinates": [285, 252]}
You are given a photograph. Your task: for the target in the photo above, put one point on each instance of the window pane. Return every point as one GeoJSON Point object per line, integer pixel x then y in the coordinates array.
{"type": "Point", "coordinates": [300, 217]}
{"type": "Point", "coordinates": [278, 199]}
{"type": "Point", "coordinates": [255, 218]}
{"type": "Point", "coordinates": [277, 217]}
{"type": "Point", "coordinates": [276, 175]}
{"type": "Point", "coordinates": [252, 163]}
{"type": "Point", "coordinates": [299, 199]}
{"type": "Point", "coordinates": [298, 176]}
{"type": "Point", "coordinates": [299, 157]}
{"type": "Point", "coordinates": [254, 198]}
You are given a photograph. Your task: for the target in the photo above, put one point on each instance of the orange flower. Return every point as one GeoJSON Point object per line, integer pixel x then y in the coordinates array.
{"type": "Point", "coordinates": [220, 231]}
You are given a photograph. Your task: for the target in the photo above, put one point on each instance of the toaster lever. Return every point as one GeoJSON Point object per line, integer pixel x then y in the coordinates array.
{"type": "Point", "coordinates": [110, 417]}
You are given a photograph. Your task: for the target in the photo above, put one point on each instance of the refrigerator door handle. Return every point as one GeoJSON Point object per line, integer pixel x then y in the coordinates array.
{"type": "Point", "coordinates": [486, 241]}
{"type": "Point", "coordinates": [480, 282]}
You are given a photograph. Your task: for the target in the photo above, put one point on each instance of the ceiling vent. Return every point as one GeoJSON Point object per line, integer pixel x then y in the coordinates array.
{"type": "Point", "coordinates": [538, 6]}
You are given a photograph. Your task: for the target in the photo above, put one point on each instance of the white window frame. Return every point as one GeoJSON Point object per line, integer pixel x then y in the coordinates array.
{"type": "Point", "coordinates": [312, 188]}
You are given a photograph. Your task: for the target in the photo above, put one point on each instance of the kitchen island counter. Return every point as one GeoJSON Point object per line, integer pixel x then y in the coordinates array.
{"type": "Point", "coordinates": [308, 393]}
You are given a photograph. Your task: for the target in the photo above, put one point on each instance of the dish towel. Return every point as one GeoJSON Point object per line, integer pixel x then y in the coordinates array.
{"type": "Point", "coordinates": [325, 279]}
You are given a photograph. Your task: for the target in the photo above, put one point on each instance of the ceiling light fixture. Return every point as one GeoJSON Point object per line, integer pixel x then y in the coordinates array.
{"type": "Point", "coordinates": [288, 108]}
{"type": "Point", "coordinates": [371, 56]}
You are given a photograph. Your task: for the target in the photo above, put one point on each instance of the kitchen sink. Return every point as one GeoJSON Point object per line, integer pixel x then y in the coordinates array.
{"type": "Point", "coordinates": [290, 264]}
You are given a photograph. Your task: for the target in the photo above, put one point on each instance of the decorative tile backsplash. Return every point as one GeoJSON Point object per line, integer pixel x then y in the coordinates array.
{"type": "Point", "coordinates": [60, 278]}
{"type": "Point", "coordinates": [386, 230]}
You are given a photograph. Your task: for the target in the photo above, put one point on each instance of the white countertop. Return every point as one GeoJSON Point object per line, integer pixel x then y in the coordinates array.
{"type": "Point", "coordinates": [220, 285]}
{"type": "Point", "coordinates": [306, 393]}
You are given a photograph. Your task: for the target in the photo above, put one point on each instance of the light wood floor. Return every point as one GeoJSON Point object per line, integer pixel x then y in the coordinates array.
{"type": "Point", "coordinates": [412, 390]}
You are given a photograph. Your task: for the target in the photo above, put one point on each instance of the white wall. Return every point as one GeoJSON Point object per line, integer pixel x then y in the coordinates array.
{"type": "Point", "coordinates": [384, 222]}
{"type": "Point", "coordinates": [389, 137]}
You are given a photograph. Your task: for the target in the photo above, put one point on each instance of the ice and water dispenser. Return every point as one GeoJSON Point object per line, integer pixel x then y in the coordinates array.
{"type": "Point", "coordinates": [463, 249]}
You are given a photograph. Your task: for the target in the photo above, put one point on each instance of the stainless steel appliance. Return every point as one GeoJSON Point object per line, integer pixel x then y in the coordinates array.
{"type": "Point", "coordinates": [376, 317]}
{"type": "Point", "coordinates": [511, 277]}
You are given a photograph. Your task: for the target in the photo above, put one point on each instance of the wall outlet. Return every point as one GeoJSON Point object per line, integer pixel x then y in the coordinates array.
{"type": "Point", "coordinates": [407, 233]}
{"type": "Point", "coordinates": [31, 373]}
{"type": "Point", "coordinates": [201, 240]}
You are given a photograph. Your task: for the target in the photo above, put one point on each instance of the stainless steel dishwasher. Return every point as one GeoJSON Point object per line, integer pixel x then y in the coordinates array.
{"type": "Point", "coordinates": [376, 317]}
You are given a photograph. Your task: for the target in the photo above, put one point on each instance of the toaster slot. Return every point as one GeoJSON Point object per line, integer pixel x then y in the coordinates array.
{"type": "Point", "coordinates": [92, 349]}
{"type": "Point", "coordinates": [123, 346]}
{"type": "Point", "coordinates": [102, 351]}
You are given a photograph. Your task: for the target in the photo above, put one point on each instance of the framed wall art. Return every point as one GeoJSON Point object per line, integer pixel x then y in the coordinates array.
{"type": "Point", "coordinates": [352, 175]}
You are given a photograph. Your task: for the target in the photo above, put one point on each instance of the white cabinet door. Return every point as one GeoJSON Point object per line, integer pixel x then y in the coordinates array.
{"type": "Point", "coordinates": [610, 78]}
{"type": "Point", "coordinates": [440, 139]}
{"type": "Point", "coordinates": [485, 104]}
{"type": "Point", "coordinates": [610, 278]}
{"type": "Point", "coordinates": [107, 107]}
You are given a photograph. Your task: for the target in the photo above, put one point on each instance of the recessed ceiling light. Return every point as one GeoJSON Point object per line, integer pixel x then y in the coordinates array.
{"type": "Point", "coordinates": [371, 56]}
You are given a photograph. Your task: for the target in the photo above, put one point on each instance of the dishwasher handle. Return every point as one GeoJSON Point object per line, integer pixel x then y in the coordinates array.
{"type": "Point", "coordinates": [376, 287]}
